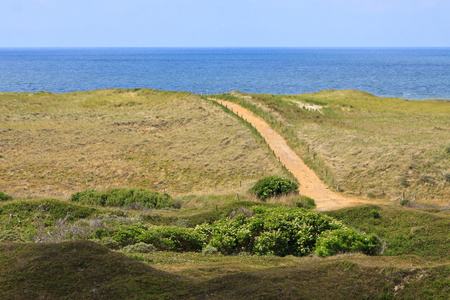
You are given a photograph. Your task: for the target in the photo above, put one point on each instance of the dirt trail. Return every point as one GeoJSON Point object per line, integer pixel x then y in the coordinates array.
{"type": "Point", "coordinates": [310, 184]}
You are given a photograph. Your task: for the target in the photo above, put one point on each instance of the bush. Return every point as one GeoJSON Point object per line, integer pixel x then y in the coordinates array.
{"type": "Point", "coordinates": [375, 214]}
{"type": "Point", "coordinates": [209, 250]}
{"type": "Point", "coordinates": [273, 186]}
{"type": "Point", "coordinates": [5, 197]}
{"type": "Point", "coordinates": [346, 240]}
{"type": "Point", "coordinates": [277, 231]}
{"type": "Point", "coordinates": [306, 202]}
{"type": "Point", "coordinates": [10, 236]}
{"type": "Point", "coordinates": [139, 248]}
{"type": "Point", "coordinates": [124, 197]}
{"type": "Point", "coordinates": [127, 235]}
{"type": "Point", "coordinates": [404, 202]}
{"type": "Point", "coordinates": [178, 239]}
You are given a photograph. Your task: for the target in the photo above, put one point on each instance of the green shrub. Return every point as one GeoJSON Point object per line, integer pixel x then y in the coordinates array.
{"type": "Point", "coordinates": [139, 248]}
{"type": "Point", "coordinates": [404, 202]}
{"type": "Point", "coordinates": [306, 202]}
{"type": "Point", "coordinates": [273, 186]}
{"type": "Point", "coordinates": [375, 214]}
{"type": "Point", "coordinates": [346, 240]}
{"type": "Point", "coordinates": [154, 238]}
{"type": "Point", "coordinates": [124, 197]}
{"type": "Point", "coordinates": [171, 238]}
{"type": "Point", "coordinates": [277, 231]}
{"type": "Point", "coordinates": [209, 250]}
{"type": "Point", "coordinates": [10, 236]}
{"type": "Point", "coordinates": [5, 197]}
{"type": "Point", "coordinates": [127, 235]}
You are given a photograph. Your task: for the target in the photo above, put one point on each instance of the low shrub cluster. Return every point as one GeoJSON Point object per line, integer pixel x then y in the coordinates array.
{"type": "Point", "coordinates": [273, 186]}
{"type": "Point", "coordinates": [124, 197]}
{"type": "Point", "coordinates": [165, 238]}
{"type": "Point", "coordinates": [5, 197]}
{"type": "Point", "coordinates": [346, 240]}
{"type": "Point", "coordinates": [281, 231]}
{"type": "Point", "coordinates": [28, 214]}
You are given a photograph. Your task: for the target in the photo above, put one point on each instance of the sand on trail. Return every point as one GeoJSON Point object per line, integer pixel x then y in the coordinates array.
{"type": "Point", "coordinates": [310, 184]}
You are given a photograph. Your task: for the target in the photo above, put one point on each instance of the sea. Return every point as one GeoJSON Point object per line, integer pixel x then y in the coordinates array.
{"type": "Point", "coordinates": [410, 73]}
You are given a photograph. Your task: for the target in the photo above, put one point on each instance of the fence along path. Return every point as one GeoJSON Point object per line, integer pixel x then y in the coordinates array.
{"type": "Point", "coordinates": [310, 184]}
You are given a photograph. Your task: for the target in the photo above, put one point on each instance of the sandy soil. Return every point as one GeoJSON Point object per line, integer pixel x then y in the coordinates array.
{"type": "Point", "coordinates": [310, 184]}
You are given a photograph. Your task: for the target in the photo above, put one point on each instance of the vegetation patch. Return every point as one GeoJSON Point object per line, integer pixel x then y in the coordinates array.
{"type": "Point", "coordinates": [273, 186]}
{"type": "Point", "coordinates": [282, 231]}
{"type": "Point", "coordinates": [5, 197]}
{"type": "Point", "coordinates": [124, 197]}
{"type": "Point", "coordinates": [403, 230]}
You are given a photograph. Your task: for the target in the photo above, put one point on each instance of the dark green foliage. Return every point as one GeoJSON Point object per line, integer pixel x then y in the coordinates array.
{"type": "Point", "coordinates": [173, 238]}
{"type": "Point", "coordinates": [276, 231]}
{"type": "Point", "coordinates": [273, 186]}
{"type": "Point", "coordinates": [124, 197]}
{"type": "Point", "coordinates": [127, 235]}
{"type": "Point", "coordinates": [167, 238]}
{"type": "Point", "coordinates": [5, 197]}
{"type": "Point", "coordinates": [375, 214]}
{"type": "Point", "coordinates": [346, 240]}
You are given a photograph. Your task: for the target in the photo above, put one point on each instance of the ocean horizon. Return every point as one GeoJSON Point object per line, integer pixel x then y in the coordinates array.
{"type": "Point", "coordinates": [410, 73]}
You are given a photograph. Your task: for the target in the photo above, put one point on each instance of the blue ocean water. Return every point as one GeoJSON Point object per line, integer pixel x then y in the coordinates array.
{"type": "Point", "coordinates": [411, 73]}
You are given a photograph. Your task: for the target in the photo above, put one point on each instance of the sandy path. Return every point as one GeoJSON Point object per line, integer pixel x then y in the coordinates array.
{"type": "Point", "coordinates": [310, 184]}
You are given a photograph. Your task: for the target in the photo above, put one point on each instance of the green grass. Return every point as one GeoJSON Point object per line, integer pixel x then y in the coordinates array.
{"type": "Point", "coordinates": [75, 270]}
{"type": "Point", "coordinates": [404, 230]}
{"type": "Point", "coordinates": [82, 270]}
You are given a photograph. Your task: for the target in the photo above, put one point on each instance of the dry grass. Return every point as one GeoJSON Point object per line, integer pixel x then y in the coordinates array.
{"type": "Point", "coordinates": [53, 145]}
{"type": "Point", "coordinates": [383, 147]}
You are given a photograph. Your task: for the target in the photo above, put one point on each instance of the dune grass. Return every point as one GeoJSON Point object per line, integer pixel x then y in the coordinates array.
{"type": "Point", "coordinates": [375, 147]}
{"type": "Point", "coordinates": [56, 144]}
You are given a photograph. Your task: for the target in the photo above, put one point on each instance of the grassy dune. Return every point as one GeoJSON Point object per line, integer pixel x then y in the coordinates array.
{"type": "Point", "coordinates": [379, 147]}
{"type": "Point", "coordinates": [55, 144]}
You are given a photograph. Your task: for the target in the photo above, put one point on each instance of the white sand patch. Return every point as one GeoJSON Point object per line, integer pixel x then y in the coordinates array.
{"type": "Point", "coordinates": [310, 106]}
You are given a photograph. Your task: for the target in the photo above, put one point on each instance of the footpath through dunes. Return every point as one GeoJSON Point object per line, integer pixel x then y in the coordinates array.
{"type": "Point", "coordinates": [310, 184]}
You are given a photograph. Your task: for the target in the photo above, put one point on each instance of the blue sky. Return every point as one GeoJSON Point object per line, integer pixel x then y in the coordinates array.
{"type": "Point", "coordinates": [224, 23]}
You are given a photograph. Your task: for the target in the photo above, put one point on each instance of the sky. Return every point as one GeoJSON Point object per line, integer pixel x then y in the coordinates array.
{"type": "Point", "coordinates": [224, 23]}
